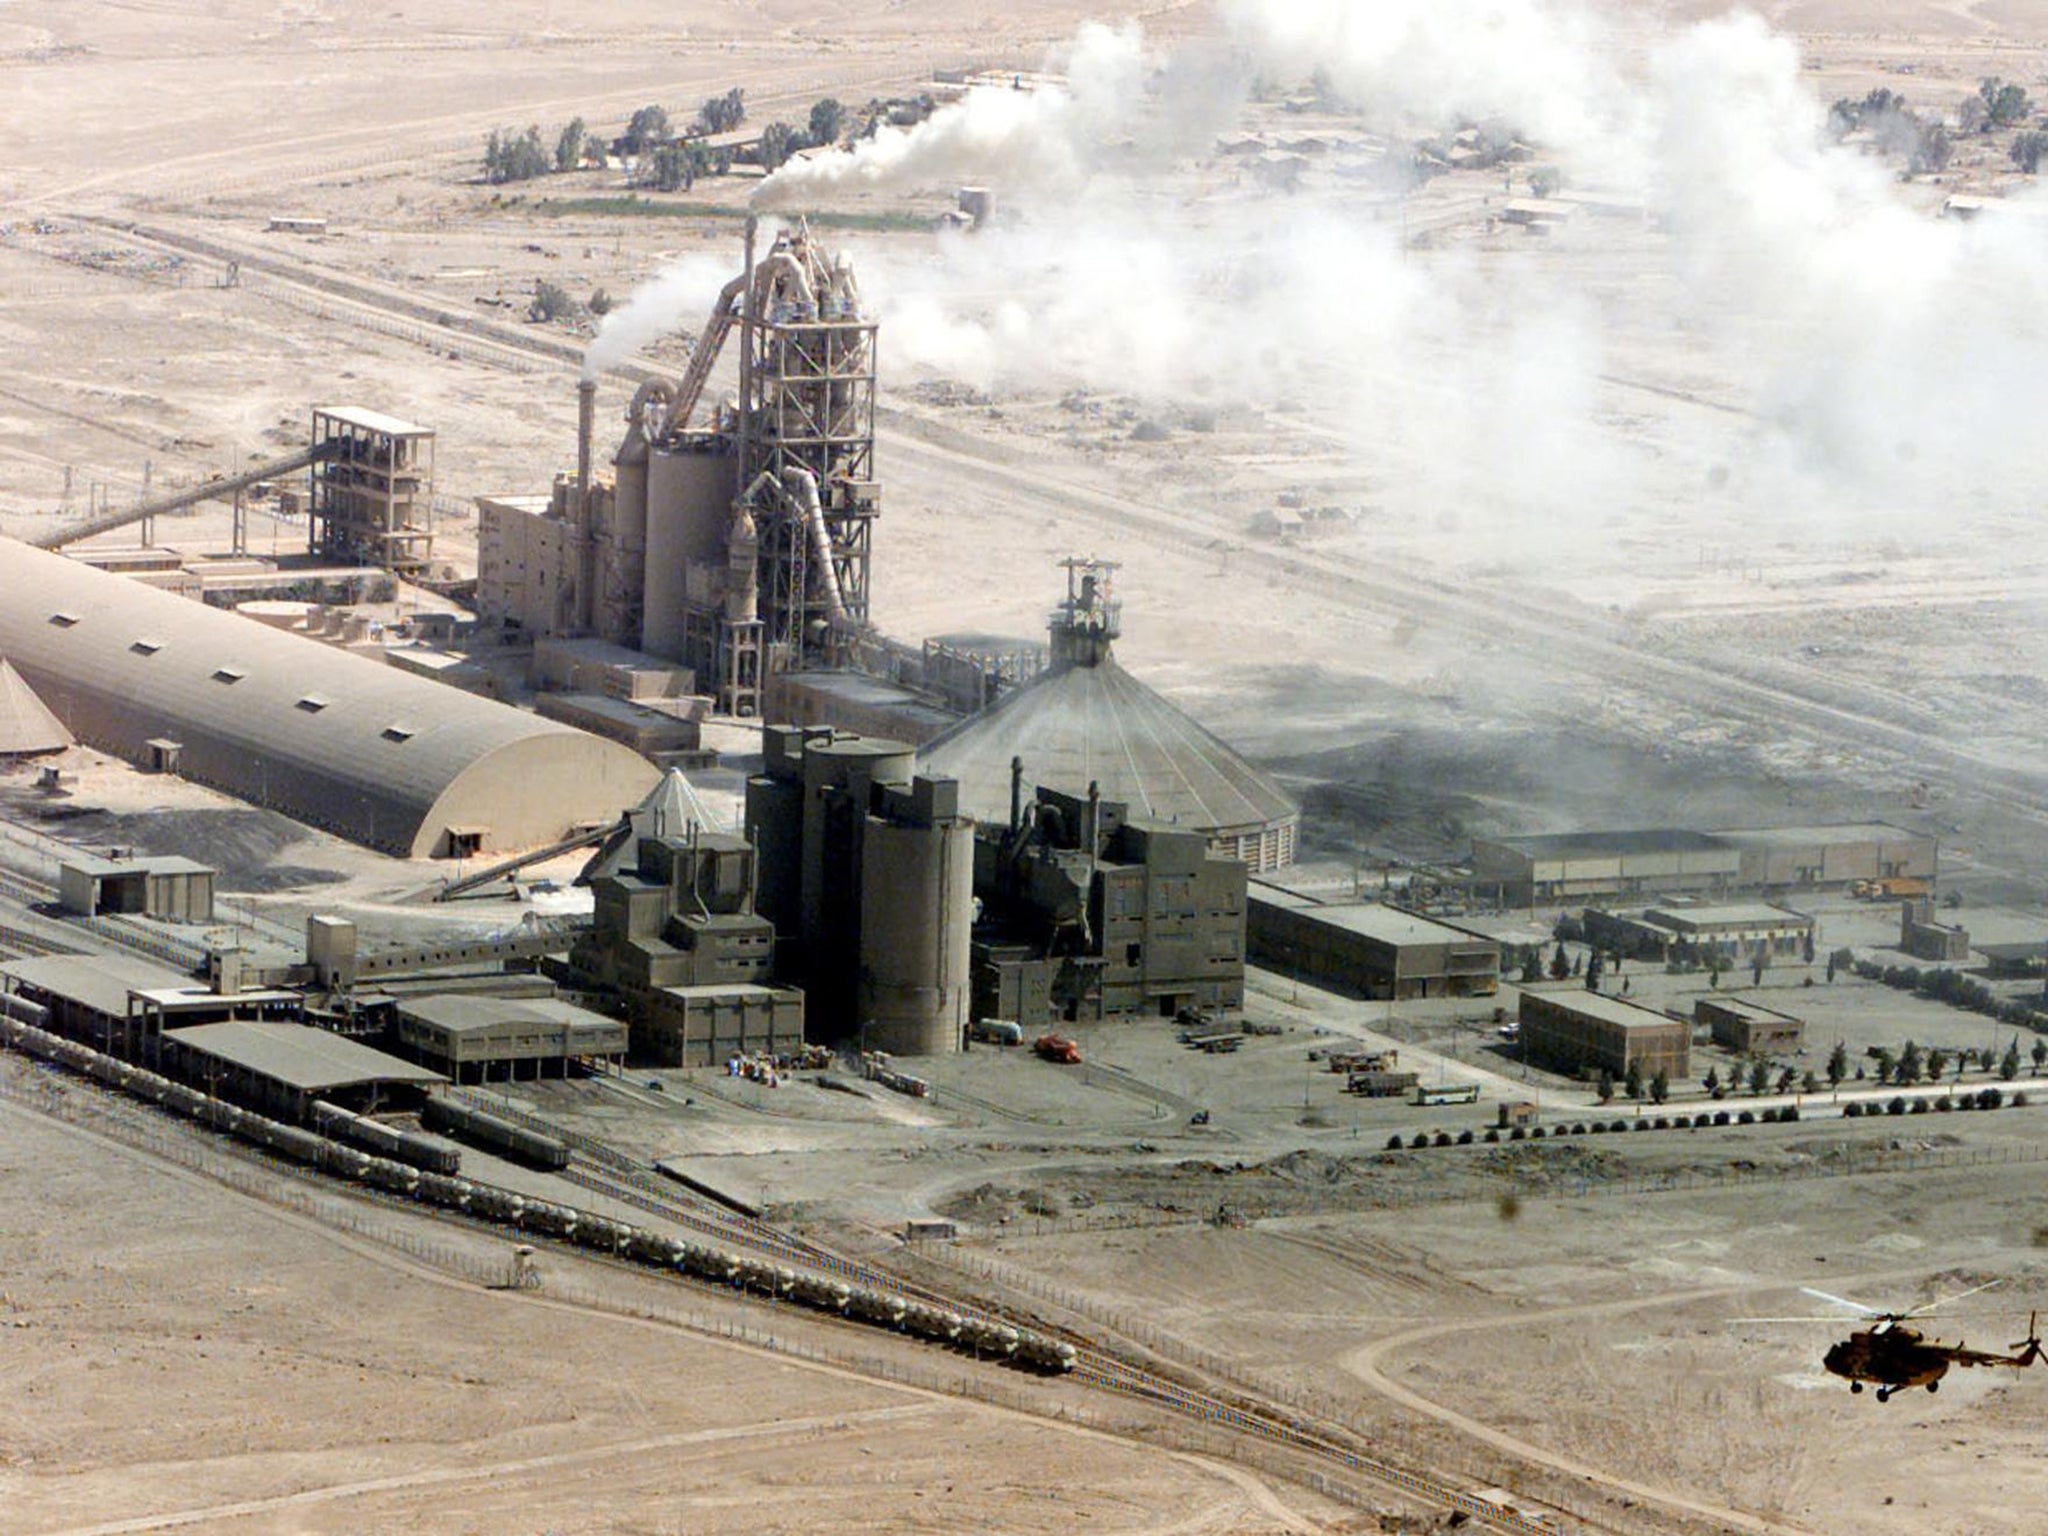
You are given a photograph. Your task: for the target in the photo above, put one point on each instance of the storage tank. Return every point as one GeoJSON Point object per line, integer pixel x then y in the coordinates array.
{"type": "Point", "coordinates": [917, 916]}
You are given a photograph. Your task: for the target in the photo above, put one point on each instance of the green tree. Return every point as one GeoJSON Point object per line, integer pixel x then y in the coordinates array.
{"type": "Point", "coordinates": [569, 145]}
{"type": "Point", "coordinates": [2004, 103]}
{"type": "Point", "coordinates": [1712, 1083]}
{"type": "Point", "coordinates": [2009, 1063]}
{"type": "Point", "coordinates": [1808, 1083]}
{"type": "Point", "coordinates": [1931, 150]}
{"type": "Point", "coordinates": [828, 121]}
{"type": "Point", "coordinates": [1605, 1086]}
{"type": "Point", "coordinates": [1660, 1087]}
{"type": "Point", "coordinates": [1532, 965]}
{"type": "Point", "coordinates": [644, 130]}
{"type": "Point", "coordinates": [1544, 180]}
{"type": "Point", "coordinates": [1937, 1063]}
{"type": "Point", "coordinates": [1632, 1083]}
{"type": "Point", "coordinates": [672, 167]}
{"type": "Point", "coordinates": [2040, 1054]}
{"type": "Point", "coordinates": [1786, 1079]}
{"type": "Point", "coordinates": [1885, 1064]}
{"type": "Point", "coordinates": [1838, 1064]}
{"type": "Point", "coordinates": [552, 302]}
{"type": "Point", "coordinates": [2028, 148]}
{"type": "Point", "coordinates": [722, 114]}
{"type": "Point", "coordinates": [1912, 1064]}
{"type": "Point", "coordinates": [778, 142]}
{"type": "Point", "coordinates": [1759, 1075]}
{"type": "Point", "coordinates": [514, 157]}
{"type": "Point", "coordinates": [1560, 964]}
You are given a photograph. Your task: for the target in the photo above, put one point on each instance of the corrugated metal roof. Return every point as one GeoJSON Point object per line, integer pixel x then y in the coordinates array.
{"type": "Point", "coordinates": [327, 737]}
{"type": "Point", "coordinates": [99, 982]}
{"type": "Point", "coordinates": [466, 1013]}
{"type": "Point", "coordinates": [1078, 724]}
{"type": "Point", "coordinates": [299, 1055]}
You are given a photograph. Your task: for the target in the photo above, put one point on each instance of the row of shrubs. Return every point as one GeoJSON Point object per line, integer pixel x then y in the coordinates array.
{"type": "Point", "coordinates": [1984, 1098]}
{"type": "Point", "coordinates": [1945, 984]}
{"type": "Point", "coordinates": [1987, 1098]}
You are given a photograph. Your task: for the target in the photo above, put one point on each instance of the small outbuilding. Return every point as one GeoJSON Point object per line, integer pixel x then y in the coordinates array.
{"type": "Point", "coordinates": [171, 889]}
{"type": "Point", "coordinates": [1750, 1029]}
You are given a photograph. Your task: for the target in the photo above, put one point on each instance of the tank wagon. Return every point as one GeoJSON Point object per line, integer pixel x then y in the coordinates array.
{"type": "Point", "coordinates": [494, 1134]}
{"type": "Point", "coordinates": [984, 1336]}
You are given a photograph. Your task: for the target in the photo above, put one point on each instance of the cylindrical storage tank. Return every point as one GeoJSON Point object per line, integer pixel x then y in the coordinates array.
{"type": "Point", "coordinates": [917, 913]}
{"type": "Point", "coordinates": [775, 826]}
{"type": "Point", "coordinates": [689, 504]}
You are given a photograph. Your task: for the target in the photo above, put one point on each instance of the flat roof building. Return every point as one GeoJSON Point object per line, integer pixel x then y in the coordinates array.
{"type": "Point", "coordinates": [475, 1038]}
{"type": "Point", "coordinates": [172, 889]}
{"type": "Point", "coordinates": [1369, 949]}
{"type": "Point", "coordinates": [283, 1067]}
{"type": "Point", "coordinates": [1739, 931]}
{"type": "Point", "coordinates": [1523, 871]}
{"type": "Point", "coordinates": [1581, 1032]}
{"type": "Point", "coordinates": [1750, 1028]}
{"type": "Point", "coordinates": [122, 1004]}
{"type": "Point", "coordinates": [1794, 858]}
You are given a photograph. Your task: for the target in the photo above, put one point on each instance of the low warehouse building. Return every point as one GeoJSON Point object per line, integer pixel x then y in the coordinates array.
{"type": "Point", "coordinates": [702, 1026]}
{"type": "Point", "coordinates": [123, 1004]}
{"type": "Point", "coordinates": [1581, 1032]}
{"type": "Point", "coordinates": [329, 738]}
{"type": "Point", "coordinates": [1799, 858]}
{"type": "Point", "coordinates": [1524, 871]}
{"type": "Point", "coordinates": [1750, 1028]}
{"type": "Point", "coordinates": [172, 889]}
{"type": "Point", "coordinates": [473, 1039]}
{"type": "Point", "coordinates": [281, 1068]}
{"type": "Point", "coordinates": [1368, 949]}
{"type": "Point", "coordinates": [1735, 931]}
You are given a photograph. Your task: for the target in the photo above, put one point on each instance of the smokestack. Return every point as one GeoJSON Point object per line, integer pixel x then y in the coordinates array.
{"type": "Point", "coordinates": [586, 511]}
{"type": "Point", "coordinates": [1016, 794]}
{"type": "Point", "coordinates": [742, 465]}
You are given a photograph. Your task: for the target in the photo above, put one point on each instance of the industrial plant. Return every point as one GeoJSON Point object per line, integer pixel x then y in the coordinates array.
{"type": "Point", "coordinates": [976, 770]}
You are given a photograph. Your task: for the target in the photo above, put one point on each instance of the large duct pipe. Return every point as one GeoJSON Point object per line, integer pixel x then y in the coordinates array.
{"type": "Point", "coordinates": [803, 485]}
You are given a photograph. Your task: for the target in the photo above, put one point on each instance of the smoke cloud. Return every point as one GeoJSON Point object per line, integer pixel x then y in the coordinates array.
{"type": "Point", "coordinates": [680, 294]}
{"type": "Point", "coordinates": [1023, 139]}
{"type": "Point", "coordinates": [1840, 354]}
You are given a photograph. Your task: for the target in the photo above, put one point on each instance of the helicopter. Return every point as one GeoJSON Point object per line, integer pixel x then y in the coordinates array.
{"type": "Point", "coordinates": [1893, 1357]}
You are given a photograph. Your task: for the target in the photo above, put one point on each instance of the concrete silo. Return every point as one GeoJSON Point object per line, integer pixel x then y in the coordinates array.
{"type": "Point", "coordinates": [917, 914]}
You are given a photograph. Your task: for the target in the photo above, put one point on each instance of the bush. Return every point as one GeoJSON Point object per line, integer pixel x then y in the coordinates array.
{"type": "Point", "coordinates": [1895, 1106]}
{"type": "Point", "coordinates": [1662, 1123]}
{"type": "Point", "coordinates": [1420, 1139]}
{"type": "Point", "coordinates": [1518, 1134]}
{"type": "Point", "coordinates": [1537, 1133]}
{"type": "Point", "coordinates": [1919, 1107]}
{"type": "Point", "coordinates": [1642, 1125]}
{"type": "Point", "coordinates": [1492, 1135]}
{"type": "Point", "coordinates": [2019, 1101]}
{"type": "Point", "coordinates": [1578, 1130]}
{"type": "Point", "coordinates": [1443, 1139]}
{"type": "Point", "coordinates": [1851, 1110]}
{"type": "Point", "coordinates": [1395, 1143]}
{"type": "Point", "coordinates": [1598, 1127]}
{"type": "Point", "coordinates": [1464, 1138]}
{"type": "Point", "coordinates": [1721, 1117]}
{"type": "Point", "coordinates": [1944, 1104]}
{"type": "Point", "coordinates": [1789, 1112]}
{"type": "Point", "coordinates": [1993, 1098]}
{"type": "Point", "coordinates": [1746, 1117]}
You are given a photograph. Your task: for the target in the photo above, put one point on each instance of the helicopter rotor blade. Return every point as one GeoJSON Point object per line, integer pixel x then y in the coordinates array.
{"type": "Point", "coordinates": [1833, 1322]}
{"type": "Point", "coordinates": [1842, 1301]}
{"type": "Point", "coordinates": [1958, 1296]}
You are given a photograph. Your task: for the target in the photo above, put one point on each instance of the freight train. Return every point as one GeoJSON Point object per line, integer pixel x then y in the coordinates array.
{"type": "Point", "coordinates": [484, 1129]}
{"type": "Point", "coordinates": [20, 1029]}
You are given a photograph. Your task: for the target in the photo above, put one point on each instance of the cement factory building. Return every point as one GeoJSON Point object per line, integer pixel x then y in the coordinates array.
{"type": "Point", "coordinates": [328, 738]}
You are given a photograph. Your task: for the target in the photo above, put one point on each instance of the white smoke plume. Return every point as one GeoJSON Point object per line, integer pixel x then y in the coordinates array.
{"type": "Point", "coordinates": [1853, 352]}
{"type": "Point", "coordinates": [680, 294]}
{"type": "Point", "coordinates": [1021, 139]}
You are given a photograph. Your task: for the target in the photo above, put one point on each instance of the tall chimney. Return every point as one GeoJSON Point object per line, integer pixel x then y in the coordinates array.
{"type": "Point", "coordinates": [586, 510]}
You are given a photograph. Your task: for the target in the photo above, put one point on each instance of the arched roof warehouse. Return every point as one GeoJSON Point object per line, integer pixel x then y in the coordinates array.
{"type": "Point", "coordinates": [335, 740]}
